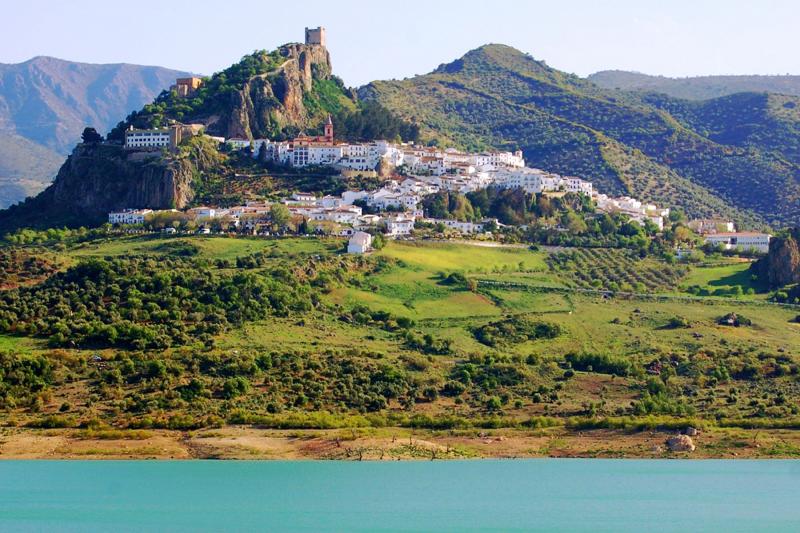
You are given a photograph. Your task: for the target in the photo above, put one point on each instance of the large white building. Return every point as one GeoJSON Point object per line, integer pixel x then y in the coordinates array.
{"type": "Point", "coordinates": [316, 155]}
{"type": "Point", "coordinates": [128, 216]}
{"type": "Point", "coordinates": [633, 208]}
{"type": "Point", "coordinates": [458, 225]}
{"type": "Point", "coordinates": [148, 139]}
{"type": "Point", "coordinates": [743, 240]}
{"type": "Point", "coordinates": [531, 180]}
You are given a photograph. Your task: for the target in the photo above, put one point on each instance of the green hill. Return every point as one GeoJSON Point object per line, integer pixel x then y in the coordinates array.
{"type": "Point", "coordinates": [496, 96]}
{"type": "Point", "coordinates": [696, 87]}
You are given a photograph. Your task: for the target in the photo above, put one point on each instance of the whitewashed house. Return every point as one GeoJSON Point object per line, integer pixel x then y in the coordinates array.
{"type": "Point", "coordinates": [399, 226]}
{"type": "Point", "coordinates": [359, 243]}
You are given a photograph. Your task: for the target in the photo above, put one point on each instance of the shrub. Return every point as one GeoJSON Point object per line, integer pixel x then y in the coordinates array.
{"type": "Point", "coordinates": [601, 363]}
{"type": "Point", "coordinates": [732, 319]}
{"type": "Point", "coordinates": [515, 330]}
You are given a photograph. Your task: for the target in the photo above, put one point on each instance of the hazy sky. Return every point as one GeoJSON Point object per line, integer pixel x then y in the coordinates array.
{"type": "Point", "coordinates": [379, 39]}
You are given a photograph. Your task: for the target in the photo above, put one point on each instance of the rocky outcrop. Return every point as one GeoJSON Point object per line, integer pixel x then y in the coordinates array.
{"type": "Point", "coordinates": [270, 102]}
{"type": "Point", "coordinates": [781, 266]}
{"type": "Point", "coordinates": [96, 179]}
{"type": "Point", "coordinates": [680, 443]}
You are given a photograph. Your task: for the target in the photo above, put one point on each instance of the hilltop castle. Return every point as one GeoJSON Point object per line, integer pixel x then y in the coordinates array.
{"type": "Point", "coordinates": [315, 36]}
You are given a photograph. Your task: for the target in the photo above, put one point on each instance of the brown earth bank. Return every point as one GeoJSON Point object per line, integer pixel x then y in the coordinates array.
{"type": "Point", "coordinates": [234, 442]}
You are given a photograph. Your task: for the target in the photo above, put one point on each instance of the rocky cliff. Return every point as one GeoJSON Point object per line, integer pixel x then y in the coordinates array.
{"type": "Point", "coordinates": [96, 179]}
{"type": "Point", "coordinates": [270, 102]}
{"type": "Point", "coordinates": [781, 266]}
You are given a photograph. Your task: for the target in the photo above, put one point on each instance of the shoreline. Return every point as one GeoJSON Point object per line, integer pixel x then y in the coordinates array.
{"type": "Point", "coordinates": [386, 444]}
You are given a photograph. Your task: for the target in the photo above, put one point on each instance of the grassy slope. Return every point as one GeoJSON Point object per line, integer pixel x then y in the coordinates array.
{"type": "Point", "coordinates": [634, 329]}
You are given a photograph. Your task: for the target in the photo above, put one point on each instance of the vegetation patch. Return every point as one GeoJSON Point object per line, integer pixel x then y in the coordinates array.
{"type": "Point", "coordinates": [735, 320]}
{"type": "Point", "coordinates": [514, 330]}
{"type": "Point", "coordinates": [615, 270]}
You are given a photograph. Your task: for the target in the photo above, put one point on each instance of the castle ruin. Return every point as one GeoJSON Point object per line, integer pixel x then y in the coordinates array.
{"type": "Point", "coordinates": [315, 36]}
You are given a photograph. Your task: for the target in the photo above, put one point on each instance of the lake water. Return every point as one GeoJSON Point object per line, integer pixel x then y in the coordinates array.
{"type": "Point", "coordinates": [520, 495]}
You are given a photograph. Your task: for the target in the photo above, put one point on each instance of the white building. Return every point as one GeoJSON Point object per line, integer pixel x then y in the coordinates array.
{"type": "Point", "coordinates": [359, 243]}
{"type": "Point", "coordinates": [330, 201]}
{"type": "Point", "coordinates": [495, 160]}
{"type": "Point", "coordinates": [531, 180]}
{"type": "Point", "coordinates": [304, 197]}
{"type": "Point", "coordinates": [341, 215]}
{"type": "Point", "coordinates": [744, 240]}
{"type": "Point", "coordinates": [148, 139]}
{"type": "Point", "coordinates": [128, 216]}
{"type": "Point", "coordinates": [633, 208]}
{"type": "Point", "coordinates": [578, 185]}
{"type": "Point", "coordinates": [316, 154]}
{"type": "Point", "coordinates": [204, 213]}
{"type": "Point", "coordinates": [704, 226]}
{"type": "Point", "coordinates": [389, 199]}
{"type": "Point", "coordinates": [399, 225]}
{"type": "Point", "coordinates": [461, 227]}
{"type": "Point", "coordinates": [348, 197]}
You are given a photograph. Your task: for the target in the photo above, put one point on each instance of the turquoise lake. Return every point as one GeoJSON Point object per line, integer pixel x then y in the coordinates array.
{"type": "Point", "coordinates": [519, 495]}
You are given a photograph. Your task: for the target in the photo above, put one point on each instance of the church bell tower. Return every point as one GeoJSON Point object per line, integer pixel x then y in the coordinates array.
{"type": "Point", "coordinates": [329, 129]}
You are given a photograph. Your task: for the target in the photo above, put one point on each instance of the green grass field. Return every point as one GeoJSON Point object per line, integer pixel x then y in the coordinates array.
{"type": "Point", "coordinates": [528, 377]}
{"type": "Point", "coordinates": [413, 288]}
{"type": "Point", "coordinates": [726, 276]}
{"type": "Point", "coordinates": [211, 247]}
{"type": "Point", "coordinates": [438, 257]}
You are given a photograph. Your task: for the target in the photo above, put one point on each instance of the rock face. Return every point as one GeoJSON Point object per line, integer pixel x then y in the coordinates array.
{"type": "Point", "coordinates": [270, 102]}
{"type": "Point", "coordinates": [680, 443]}
{"type": "Point", "coordinates": [782, 265]}
{"type": "Point", "coordinates": [96, 179]}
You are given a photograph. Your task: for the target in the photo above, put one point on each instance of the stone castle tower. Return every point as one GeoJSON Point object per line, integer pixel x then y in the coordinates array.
{"type": "Point", "coordinates": [315, 36]}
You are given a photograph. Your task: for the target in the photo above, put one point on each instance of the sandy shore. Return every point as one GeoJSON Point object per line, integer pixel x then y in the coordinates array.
{"type": "Point", "coordinates": [383, 444]}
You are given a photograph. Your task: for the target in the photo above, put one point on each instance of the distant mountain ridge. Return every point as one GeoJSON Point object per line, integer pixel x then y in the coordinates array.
{"type": "Point", "coordinates": [696, 87]}
{"type": "Point", "coordinates": [736, 156]}
{"type": "Point", "coordinates": [49, 101]}
{"type": "Point", "coordinates": [703, 159]}
{"type": "Point", "coordinates": [25, 167]}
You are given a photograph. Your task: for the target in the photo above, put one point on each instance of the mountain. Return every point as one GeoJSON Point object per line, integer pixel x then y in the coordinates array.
{"type": "Point", "coordinates": [697, 87]}
{"type": "Point", "coordinates": [26, 168]}
{"type": "Point", "coordinates": [701, 159]}
{"type": "Point", "coordinates": [267, 94]}
{"type": "Point", "coordinates": [737, 156]}
{"type": "Point", "coordinates": [49, 101]}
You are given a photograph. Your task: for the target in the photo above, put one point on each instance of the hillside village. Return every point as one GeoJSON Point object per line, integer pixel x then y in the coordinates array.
{"type": "Point", "coordinates": [411, 172]}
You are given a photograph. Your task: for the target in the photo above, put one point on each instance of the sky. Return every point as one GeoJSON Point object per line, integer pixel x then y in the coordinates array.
{"type": "Point", "coordinates": [384, 40]}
